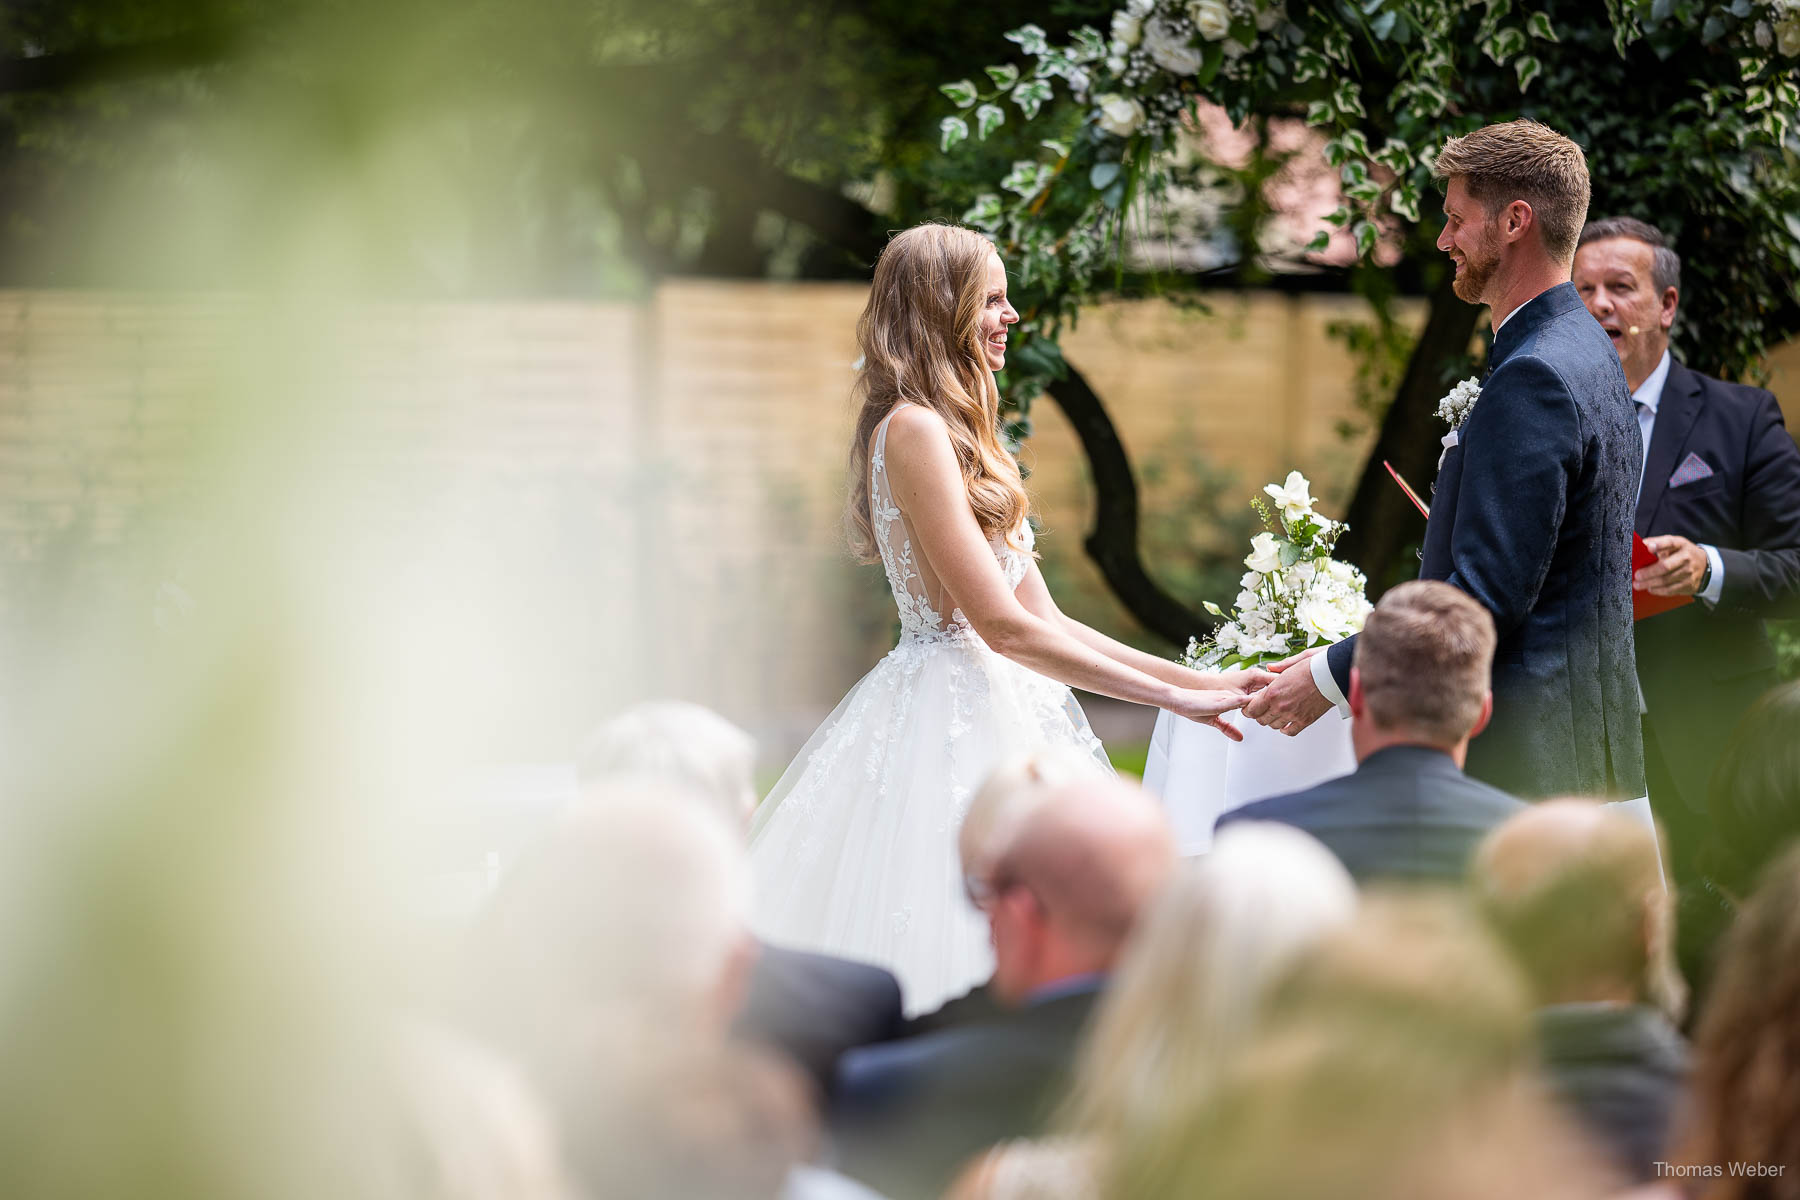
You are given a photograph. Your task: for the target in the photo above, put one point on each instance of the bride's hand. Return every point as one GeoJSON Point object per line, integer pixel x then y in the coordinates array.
{"type": "Point", "coordinates": [1248, 681]}
{"type": "Point", "coordinates": [1208, 706]}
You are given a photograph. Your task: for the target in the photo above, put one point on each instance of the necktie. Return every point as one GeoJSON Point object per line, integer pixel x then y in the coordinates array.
{"type": "Point", "coordinates": [1646, 418]}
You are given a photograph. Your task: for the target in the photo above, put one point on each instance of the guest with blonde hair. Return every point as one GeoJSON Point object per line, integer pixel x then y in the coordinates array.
{"type": "Point", "coordinates": [1187, 994]}
{"type": "Point", "coordinates": [1394, 1063]}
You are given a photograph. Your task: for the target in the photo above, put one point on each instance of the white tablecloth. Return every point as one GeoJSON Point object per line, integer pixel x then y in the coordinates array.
{"type": "Point", "coordinates": [1200, 773]}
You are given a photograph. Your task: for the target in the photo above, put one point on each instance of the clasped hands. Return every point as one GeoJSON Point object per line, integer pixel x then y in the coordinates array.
{"type": "Point", "coordinates": [1281, 698]}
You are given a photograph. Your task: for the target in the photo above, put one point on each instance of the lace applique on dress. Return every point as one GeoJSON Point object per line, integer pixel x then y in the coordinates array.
{"type": "Point", "coordinates": [855, 848]}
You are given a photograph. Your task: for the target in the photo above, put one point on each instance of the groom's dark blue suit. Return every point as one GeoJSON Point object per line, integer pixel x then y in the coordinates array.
{"type": "Point", "coordinates": [1531, 515]}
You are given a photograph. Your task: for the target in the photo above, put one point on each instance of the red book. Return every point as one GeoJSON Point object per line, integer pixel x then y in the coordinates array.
{"type": "Point", "coordinates": [1643, 604]}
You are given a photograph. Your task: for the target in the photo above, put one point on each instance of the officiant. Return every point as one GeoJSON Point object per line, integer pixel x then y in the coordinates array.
{"type": "Point", "coordinates": [1719, 503]}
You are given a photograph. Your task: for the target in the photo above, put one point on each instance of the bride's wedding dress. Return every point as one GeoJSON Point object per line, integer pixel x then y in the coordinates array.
{"type": "Point", "coordinates": [855, 848]}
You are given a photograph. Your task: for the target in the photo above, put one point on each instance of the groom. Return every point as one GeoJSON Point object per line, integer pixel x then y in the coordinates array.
{"type": "Point", "coordinates": [1532, 510]}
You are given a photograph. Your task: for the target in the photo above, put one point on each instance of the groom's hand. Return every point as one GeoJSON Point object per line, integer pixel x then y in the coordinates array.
{"type": "Point", "coordinates": [1292, 701]}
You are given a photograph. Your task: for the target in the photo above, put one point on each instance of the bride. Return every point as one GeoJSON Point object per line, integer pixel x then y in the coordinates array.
{"type": "Point", "coordinates": [855, 848]}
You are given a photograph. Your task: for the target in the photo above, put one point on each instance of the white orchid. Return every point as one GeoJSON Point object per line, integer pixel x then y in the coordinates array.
{"type": "Point", "coordinates": [1293, 498]}
{"type": "Point", "coordinates": [1265, 554]}
{"type": "Point", "coordinates": [1120, 116]}
{"type": "Point", "coordinates": [1169, 49]}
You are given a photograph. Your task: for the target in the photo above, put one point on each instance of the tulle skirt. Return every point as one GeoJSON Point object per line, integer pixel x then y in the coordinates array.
{"type": "Point", "coordinates": [855, 848]}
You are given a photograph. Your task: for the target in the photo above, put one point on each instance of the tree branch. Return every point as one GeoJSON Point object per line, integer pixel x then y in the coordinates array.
{"type": "Point", "coordinates": [1113, 541]}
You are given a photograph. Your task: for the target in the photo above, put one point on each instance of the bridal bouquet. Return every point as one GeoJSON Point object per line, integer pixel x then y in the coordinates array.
{"type": "Point", "coordinates": [1295, 594]}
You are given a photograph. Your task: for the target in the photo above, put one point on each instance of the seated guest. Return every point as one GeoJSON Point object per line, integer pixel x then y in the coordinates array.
{"type": "Point", "coordinates": [1392, 1063]}
{"type": "Point", "coordinates": [1014, 789]}
{"type": "Point", "coordinates": [613, 961]}
{"type": "Point", "coordinates": [1187, 994]}
{"type": "Point", "coordinates": [811, 1007]}
{"type": "Point", "coordinates": [1061, 899]}
{"type": "Point", "coordinates": [1575, 892]}
{"type": "Point", "coordinates": [1746, 1121]}
{"type": "Point", "coordinates": [1418, 694]}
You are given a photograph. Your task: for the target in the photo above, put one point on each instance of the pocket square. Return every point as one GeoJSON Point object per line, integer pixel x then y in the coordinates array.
{"type": "Point", "coordinates": [1692, 469]}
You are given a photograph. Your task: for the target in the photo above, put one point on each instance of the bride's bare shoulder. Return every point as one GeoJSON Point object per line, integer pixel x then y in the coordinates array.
{"type": "Point", "coordinates": [916, 434]}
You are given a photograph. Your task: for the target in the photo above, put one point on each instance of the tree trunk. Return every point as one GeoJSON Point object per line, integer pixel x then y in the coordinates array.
{"type": "Point", "coordinates": [1113, 541]}
{"type": "Point", "coordinates": [1383, 523]}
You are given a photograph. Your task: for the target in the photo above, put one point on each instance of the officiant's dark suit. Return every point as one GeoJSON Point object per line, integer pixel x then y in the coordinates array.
{"type": "Point", "coordinates": [1701, 666]}
{"type": "Point", "coordinates": [1531, 515]}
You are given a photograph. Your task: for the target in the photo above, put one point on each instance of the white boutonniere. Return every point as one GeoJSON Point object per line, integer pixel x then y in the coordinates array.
{"type": "Point", "coordinates": [1454, 408]}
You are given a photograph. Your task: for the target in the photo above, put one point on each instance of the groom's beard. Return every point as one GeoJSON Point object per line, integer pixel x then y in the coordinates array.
{"type": "Point", "coordinates": [1478, 269]}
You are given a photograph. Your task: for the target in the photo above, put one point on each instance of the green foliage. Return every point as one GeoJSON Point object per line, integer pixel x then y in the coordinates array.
{"type": "Point", "coordinates": [1686, 110]}
{"type": "Point", "coordinates": [1786, 636]}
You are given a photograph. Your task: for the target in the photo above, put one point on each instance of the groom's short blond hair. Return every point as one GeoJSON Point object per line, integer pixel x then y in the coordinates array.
{"type": "Point", "coordinates": [1425, 658]}
{"type": "Point", "coordinates": [1523, 160]}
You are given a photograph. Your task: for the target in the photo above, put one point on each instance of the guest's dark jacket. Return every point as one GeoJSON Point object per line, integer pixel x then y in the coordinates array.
{"type": "Point", "coordinates": [1531, 515]}
{"type": "Point", "coordinates": [908, 1114]}
{"type": "Point", "coordinates": [1623, 1070]}
{"type": "Point", "coordinates": [1702, 666]}
{"type": "Point", "coordinates": [1406, 812]}
{"type": "Point", "coordinates": [813, 1007]}
{"type": "Point", "coordinates": [976, 1004]}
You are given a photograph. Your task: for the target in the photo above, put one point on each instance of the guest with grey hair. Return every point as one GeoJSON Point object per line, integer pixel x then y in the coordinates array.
{"type": "Point", "coordinates": [1011, 793]}
{"type": "Point", "coordinates": [1419, 692]}
{"type": "Point", "coordinates": [1719, 505]}
{"type": "Point", "coordinates": [811, 1007]}
{"type": "Point", "coordinates": [1188, 994]}
{"type": "Point", "coordinates": [1064, 895]}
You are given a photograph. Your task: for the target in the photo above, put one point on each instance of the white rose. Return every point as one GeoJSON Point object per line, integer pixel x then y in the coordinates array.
{"type": "Point", "coordinates": [1211, 18]}
{"type": "Point", "coordinates": [1341, 572]}
{"type": "Point", "coordinates": [1294, 497]}
{"type": "Point", "coordinates": [1120, 116]}
{"type": "Point", "coordinates": [1245, 600]}
{"type": "Point", "coordinates": [1787, 36]}
{"type": "Point", "coordinates": [1319, 618]}
{"type": "Point", "coordinates": [1251, 581]}
{"type": "Point", "coordinates": [1228, 636]}
{"type": "Point", "coordinates": [1171, 52]}
{"type": "Point", "coordinates": [1271, 16]}
{"type": "Point", "coordinates": [1141, 8]}
{"type": "Point", "coordinates": [1127, 28]}
{"type": "Point", "coordinates": [1302, 572]}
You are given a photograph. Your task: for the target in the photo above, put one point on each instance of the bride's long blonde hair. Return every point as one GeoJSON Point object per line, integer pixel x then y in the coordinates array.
{"type": "Point", "coordinates": [920, 335]}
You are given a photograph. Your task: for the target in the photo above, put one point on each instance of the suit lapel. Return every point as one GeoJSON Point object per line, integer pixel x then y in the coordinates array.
{"type": "Point", "coordinates": [1675, 417]}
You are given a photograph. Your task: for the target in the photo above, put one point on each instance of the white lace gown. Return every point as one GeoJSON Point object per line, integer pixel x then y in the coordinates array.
{"type": "Point", "coordinates": [855, 848]}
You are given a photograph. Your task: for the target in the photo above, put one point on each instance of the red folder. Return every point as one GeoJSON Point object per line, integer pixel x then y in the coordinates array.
{"type": "Point", "coordinates": [1643, 604]}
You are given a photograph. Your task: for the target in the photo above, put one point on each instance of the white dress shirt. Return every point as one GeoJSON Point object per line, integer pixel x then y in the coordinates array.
{"type": "Point", "coordinates": [1648, 399]}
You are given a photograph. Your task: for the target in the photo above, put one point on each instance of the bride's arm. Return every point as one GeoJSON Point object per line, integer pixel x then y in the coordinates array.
{"type": "Point", "coordinates": [1034, 594]}
{"type": "Point", "coordinates": [928, 485]}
